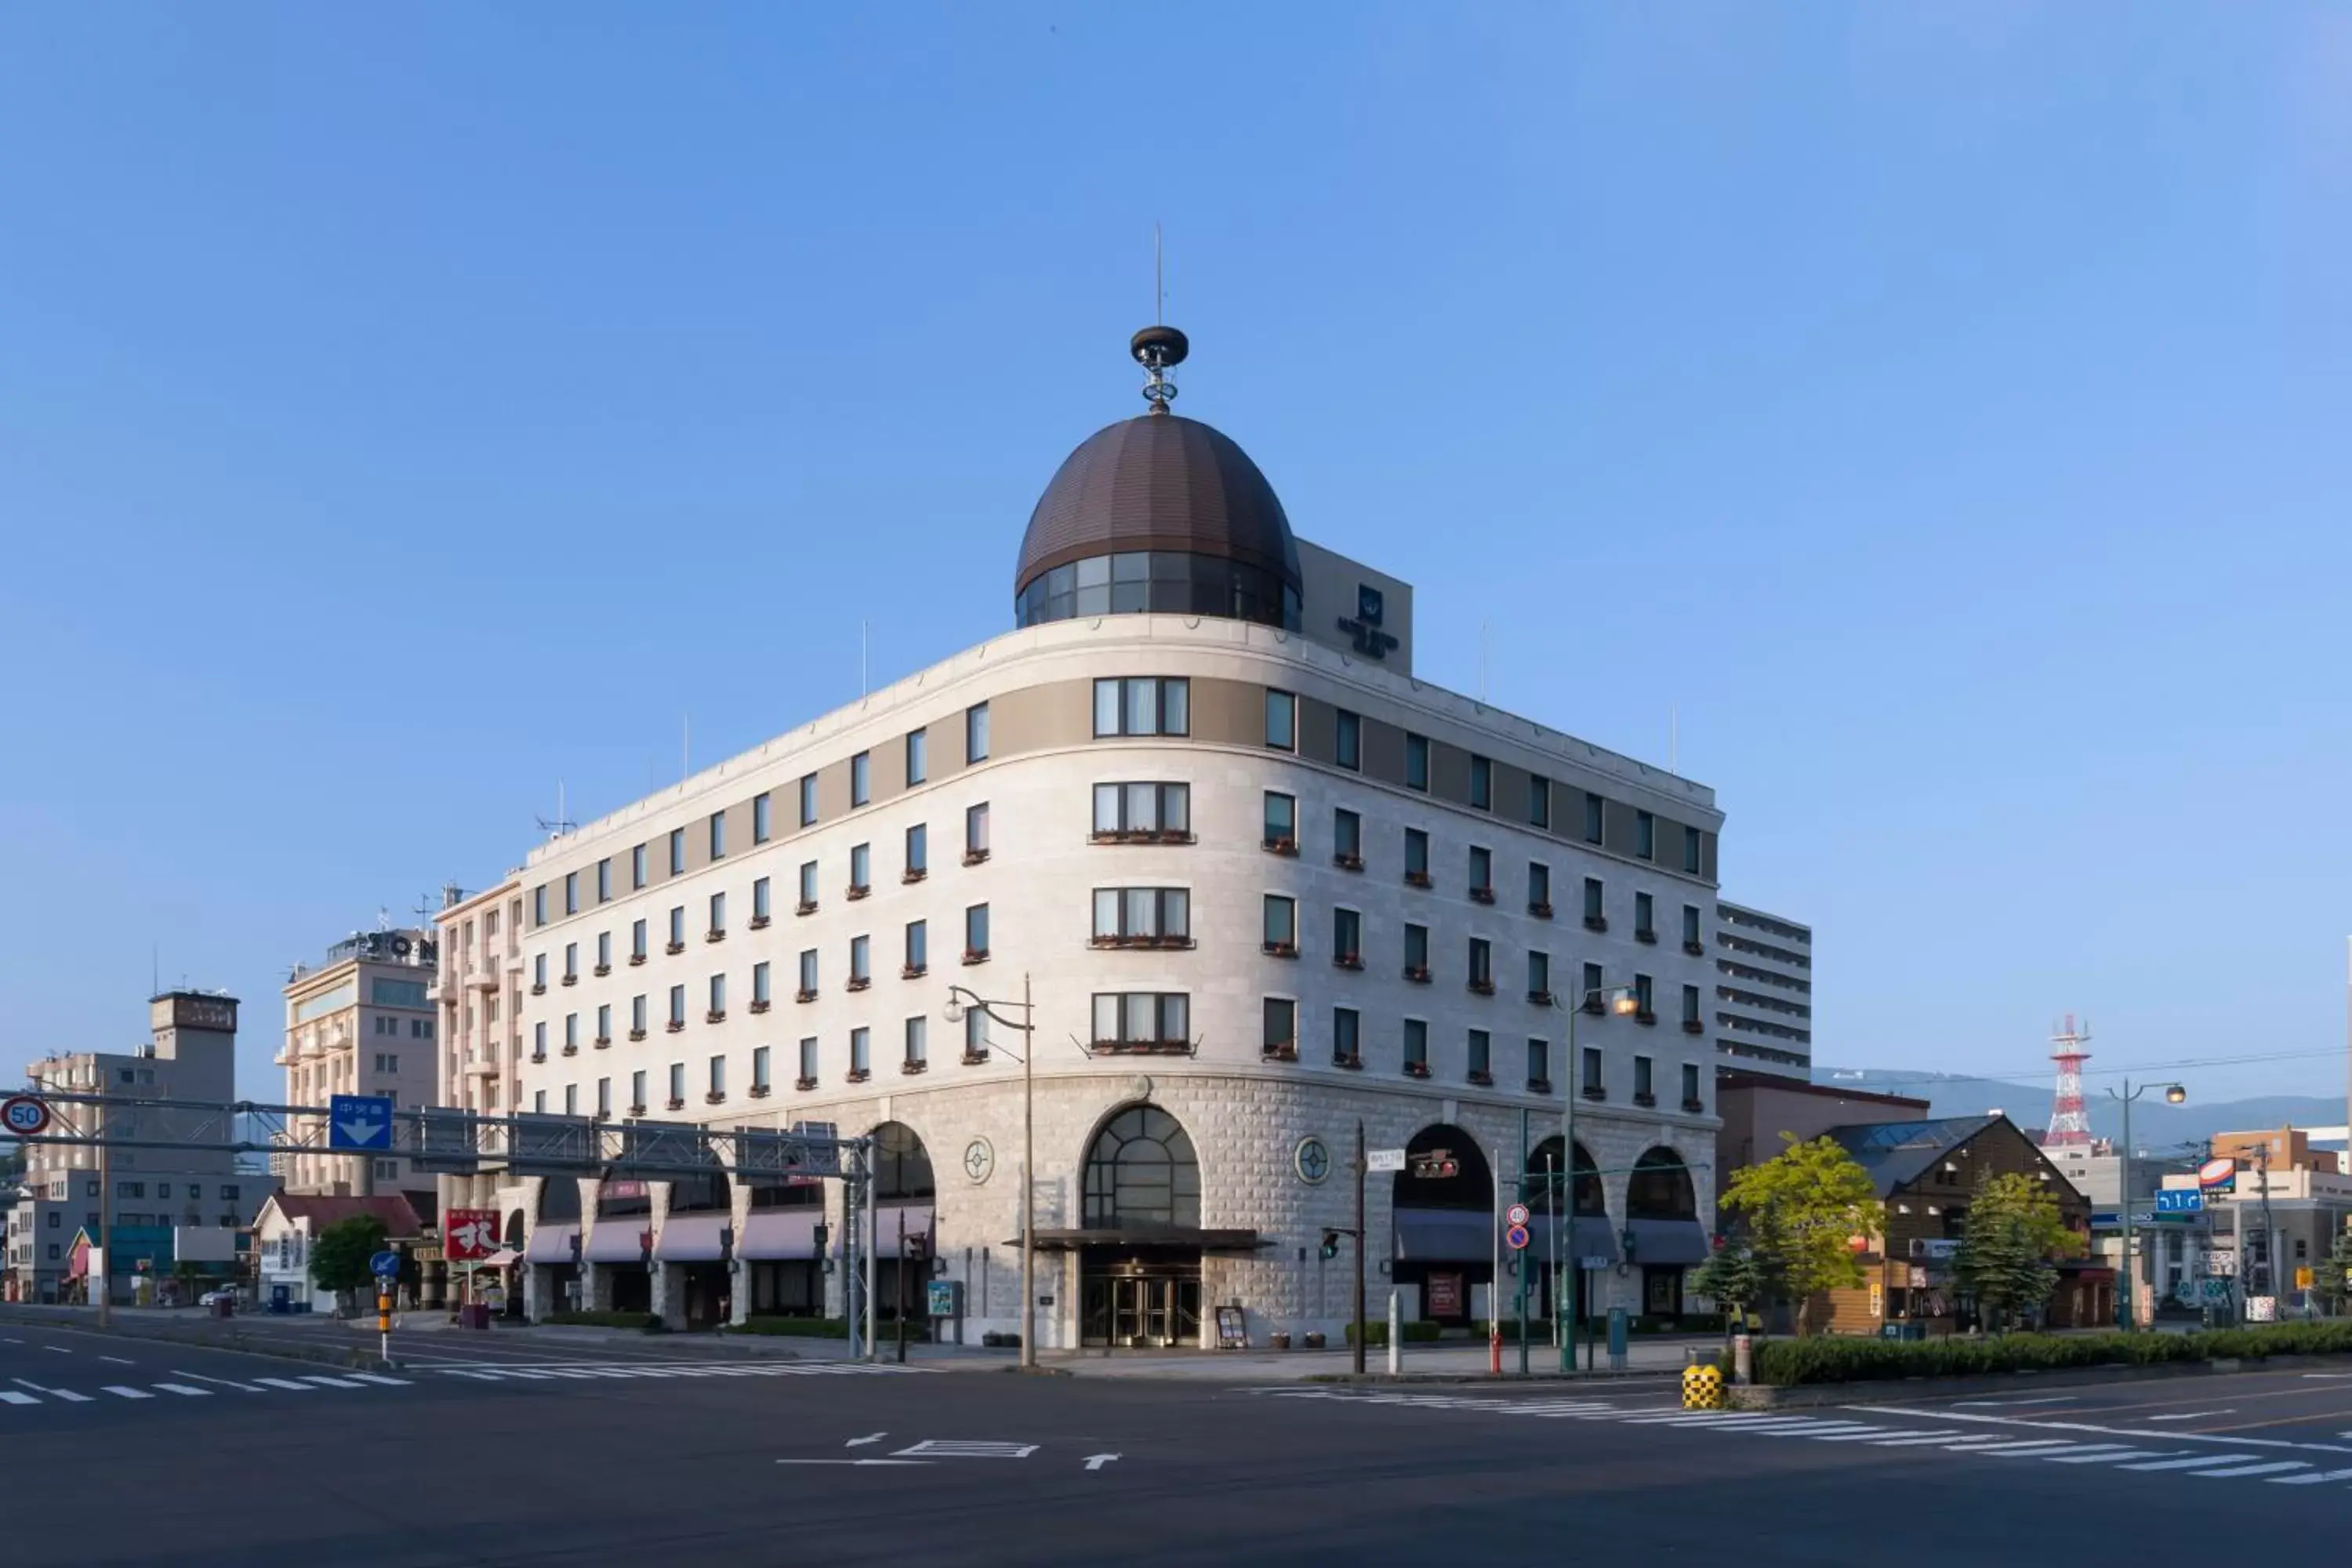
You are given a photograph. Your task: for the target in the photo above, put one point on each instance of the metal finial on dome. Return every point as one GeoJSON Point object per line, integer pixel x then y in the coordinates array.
{"type": "Point", "coordinates": [1159, 350]}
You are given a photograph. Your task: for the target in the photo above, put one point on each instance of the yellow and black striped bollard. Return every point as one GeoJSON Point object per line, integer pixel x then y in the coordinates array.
{"type": "Point", "coordinates": [1703, 1387]}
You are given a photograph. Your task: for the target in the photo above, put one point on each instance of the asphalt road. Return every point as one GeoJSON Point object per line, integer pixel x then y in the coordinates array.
{"type": "Point", "coordinates": [610, 1460]}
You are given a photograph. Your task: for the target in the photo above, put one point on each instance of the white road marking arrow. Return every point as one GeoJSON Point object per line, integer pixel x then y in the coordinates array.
{"type": "Point", "coordinates": [853, 1461]}
{"type": "Point", "coordinates": [861, 1442]}
{"type": "Point", "coordinates": [362, 1133]}
{"type": "Point", "coordinates": [1097, 1461]}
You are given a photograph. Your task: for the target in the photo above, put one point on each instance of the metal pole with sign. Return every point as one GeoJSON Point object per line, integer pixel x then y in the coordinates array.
{"type": "Point", "coordinates": [1520, 1253]}
{"type": "Point", "coordinates": [1360, 1248]}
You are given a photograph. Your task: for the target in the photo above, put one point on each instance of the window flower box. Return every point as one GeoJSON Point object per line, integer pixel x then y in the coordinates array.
{"type": "Point", "coordinates": [636, 1110]}
{"type": "Point", "coordinates": [1694, 1026]}
{"type": "Point", "coordinates": [1645, 1017]}
{"type": "Point", "coordinates": [1695, 1107]}
{"type": "Point", "coordinates": [1539, 1086]}
{"type": "Point", "coordinates": [538, 990]}
{"type": "Point", "coordinates": [601, 970]}
{"type": "Point", "coordinates": [1593, 1006]}
{"type": "Point", "coordinates": [1279, 845]}
{"type": "Point", "coordinates": [805, 907]}
{"type": "Point", "coordinates": [1347, 960]}
{"type": "Point", "coordinates": [1594, 1091]}
{"type": "Point", "coordinates": [760, 1092]}
{"type": "Point", "coordinates": [975, 955]}
{"type": "Point", "coordinates": [1541, 909]}
{"type": "Point", "coordinates": [1416, 1070]}
{"type": "Point", "coordinates": [859, 1075]}
{"type": "Point", "coordinates": [676, 1104]}
{"type": "Point", "coordinates": [1695, 949]}
{"type": "Point", "coordinates": [1283, 1051]}
{"type": "Point", "coordinates": [1596, 923]}
{"type": "Point", "coordinates": [539, 1055]}
{"type": "Point", "coordinates": [716, 1015]}
{"type": "Point", "coordinates": [1482, 895]}
{"type": "Point", "coordinates": [860, 983]}
{"type": "Point", "coordinates": [803, 1084]}
{"type": "Point", "coordinates": [1279, 948]}
{"type": "Point", "coordinates": [635, 958]}
{"type": "Point", "coordinates": [1540, 998]}
{"type": "Point", "coordinates": [572, 1050]}
{"type": "Point", "coordinates": [976, 1058]}
{"type": "Point", "coordinates": [675, 947]}
{"type": "Point", "coordinates": [715, 1097]}
{"type": "Point", "coordinates": [1353, 1064]}
{"type": "Point", "coordinates": [571, 979]}
{"type": "Point", "coordinates": [1646, 1099]}
{"type": "Point", "coordinates": [674, 1026]}
{"type": "Point", "coordinates": [1417, 880]}
{"type": "Point", "coordinates": [913, 970]}
{"type": "Point", "coordinates": [1349, 862]}
{"type": "Point", "coordinates": [914, 874]}
{"type": "Point", "coordinates": [975, 857]}
{"type": "Point", "coordinates": [760, 1004]}
{"type": "Point", "coordinates": [760, 922]}
{"type": "Point", "coordinates": [714, 936]}
{"type": "Point", "coordinates": [602, 1042]}
{"type": "Point", "coordinates": [1417, 973]}
{"type": "Point", "coordinates": [1646, 937]}
{"type": "Point", "coordinates": [859, 890]}
{"type": "Point", "coordinates": [1140, 1048]}
{"type": "Point", "coordinates": [637, 1033]}
{"type": "Point", "coordinates": [910, 1068]}
{"type": "Point", "coordinates": [1482, 1077]}
{"type": "Point", "coordinates": [1482, 988]}
{"type": "Point", "coordinates": [806, 994]}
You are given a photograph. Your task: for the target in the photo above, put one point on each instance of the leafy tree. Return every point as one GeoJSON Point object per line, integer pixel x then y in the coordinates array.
{"type": "Point", "coordinates": [1735, 1279]}
{"type": "Point", "coordinates": [2333, 1283]}
{"type": "Point", "coordinates": [339, 1253]}
{"type": "Point", "coordinates": [1799, 1210]}
{"type": "Point", "coordinates": [2009, 1245]}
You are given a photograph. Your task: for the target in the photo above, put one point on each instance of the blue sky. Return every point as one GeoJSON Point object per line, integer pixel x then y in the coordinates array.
{"type": "Point", "coordinates": [1941, 407]}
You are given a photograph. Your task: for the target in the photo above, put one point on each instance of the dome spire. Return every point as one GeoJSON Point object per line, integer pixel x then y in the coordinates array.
{"type": "Point", "coordinates": [1159, 350]}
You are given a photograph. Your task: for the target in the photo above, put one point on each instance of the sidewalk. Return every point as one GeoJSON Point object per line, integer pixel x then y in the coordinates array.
{"type": "Point", "coordinates": [1445, 1360]}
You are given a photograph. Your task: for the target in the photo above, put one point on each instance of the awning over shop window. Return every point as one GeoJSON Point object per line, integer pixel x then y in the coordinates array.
{"type": "Point", "coordinates": [1592, 1238]}
{"type": "Point", "coordinates": [691, 1239]}
{"type": "Point", "coordinates": [504, 1257]}
{"type": "Point", "coordinates": [773, 1236]}
{"type": "Point", "coordinates": [1667, 1242]}
{"type": "Point", "coordinates": [621, 1239]}
{"type": "Point", "coordinates": [551, 1244]}
{"type": "Point", "coordinates": [1443, 1236]}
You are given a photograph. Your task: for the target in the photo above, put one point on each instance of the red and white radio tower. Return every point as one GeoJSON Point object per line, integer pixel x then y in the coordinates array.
{"type": "Point", "coordinates": [2070, 1124]}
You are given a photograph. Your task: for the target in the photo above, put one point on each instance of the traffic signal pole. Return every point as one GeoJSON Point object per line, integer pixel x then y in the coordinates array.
{"type": "Point", "coordinates": [1359, 1249]}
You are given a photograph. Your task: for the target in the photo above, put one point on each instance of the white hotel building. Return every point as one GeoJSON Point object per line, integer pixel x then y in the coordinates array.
{"type": "Point", "coordinates": [1265, 884]}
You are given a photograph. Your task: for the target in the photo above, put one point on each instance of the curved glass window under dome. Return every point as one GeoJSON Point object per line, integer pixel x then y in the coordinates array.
{"type": "Point", "coordinates": [1162, 581]}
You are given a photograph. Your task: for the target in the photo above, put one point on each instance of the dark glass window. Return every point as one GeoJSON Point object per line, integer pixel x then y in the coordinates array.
{"type": "Point", "coordinates": [1350, 741]}
{"type": "Point", "coordinates": [1163, 582]}
{"type": "Point", "coordinates": [1141, 1174]}
{"type": "Point", "coordinates": [1416, 761]}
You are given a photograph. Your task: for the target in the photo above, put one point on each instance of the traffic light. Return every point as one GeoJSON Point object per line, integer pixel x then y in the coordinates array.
{"type": "Point", "coordinates": [1330, 1249]}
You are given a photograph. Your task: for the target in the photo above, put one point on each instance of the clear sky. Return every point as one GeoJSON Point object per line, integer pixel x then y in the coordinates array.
{"type": "Point", "coordinates": [1941, 408]}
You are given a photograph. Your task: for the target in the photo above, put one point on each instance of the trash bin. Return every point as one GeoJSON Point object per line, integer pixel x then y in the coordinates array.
{"type": "Point", "coordinates": [223, 1306]}
{"type": "Point", "coordinates": [475, 1315]}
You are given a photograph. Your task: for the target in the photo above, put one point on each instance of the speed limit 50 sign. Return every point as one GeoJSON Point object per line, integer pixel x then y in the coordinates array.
{"type": "Point", "coordinates": [24, 1115]}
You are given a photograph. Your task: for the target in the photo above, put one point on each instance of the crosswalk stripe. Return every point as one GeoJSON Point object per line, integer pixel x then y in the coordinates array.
{"type": "Point", "coordinates": [68, 1394]}
{"type": "Point", "coordinates": [121, 1392]}
{"type": "Point", "coordinates": [2310, 1479]}
{"type": "Point", "coordinates": [2011, 1448]}
{"type": "Point", "coordinates": [2104, 1454]}
{"type": "Point", "coordinates": [1914, 1440]}
{"type": "Point", "coordinates": [2194, 1461]}
{"type": "Point", "coordinates": [183, 1388]}
{"type": "Point", "coordinates": [379, 1378]}
{"type": "Point", "coordinates": [2275, 1468]}
{"type": "Point", "coordinates": [288, 1384]}
{"type": "Point", "coordinates": [331, 1382]}
{"type": "Point", "coordinates": [12, 1397]}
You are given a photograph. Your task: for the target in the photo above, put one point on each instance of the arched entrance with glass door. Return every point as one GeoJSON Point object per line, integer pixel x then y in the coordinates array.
{"type": "Point", "coordinates": [1140, 1242]}
{"type": "Point", "coordinates": [1566, 1256]}
{"type": "Point", "coordinates": [1662, 1235]}
{"type": "Point", "coordinates": [1441, 1215]}
{"type": "Point", "coordinates": [904, 1196]}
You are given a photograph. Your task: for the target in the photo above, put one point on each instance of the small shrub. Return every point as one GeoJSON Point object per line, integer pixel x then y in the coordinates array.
{"type": "Point", "coordinates": [801, 1328]}
{"type": "Point", "coordinates": [645, 1322]}
{"type": "Point", "coordinates": [1785, 1363]}
{"type": "Point", "coordinates": [1377, 1334]}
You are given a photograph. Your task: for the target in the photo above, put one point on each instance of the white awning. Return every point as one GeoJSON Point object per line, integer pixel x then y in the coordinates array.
{"type": "Point", "coordinates": [691, 1239]}
{"type": "Point", "coordinates": [621, 1239]}
{"type": "Point", "coordinates": [550, 1243]}
{"type": "Point", "coordinates": [778, 1235]}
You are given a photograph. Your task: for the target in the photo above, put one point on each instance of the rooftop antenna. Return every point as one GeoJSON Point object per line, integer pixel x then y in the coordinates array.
{"type": "Point", "coordinates": [1159, 348]}
{"type": "Point", "coordinates": [1158, 280]}
{"type": "Point", "coordinates": [424, 911]}
{"type": "Point", "coordinates": [558, 825]}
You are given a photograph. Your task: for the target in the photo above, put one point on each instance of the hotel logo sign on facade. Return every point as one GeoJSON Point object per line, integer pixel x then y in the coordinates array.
{"type": "Point", "coordinates": [1365, 630]}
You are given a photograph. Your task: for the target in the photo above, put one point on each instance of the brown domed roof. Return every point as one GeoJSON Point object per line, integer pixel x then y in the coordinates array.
{"type": "Point", "coordinates": [1157, 482]}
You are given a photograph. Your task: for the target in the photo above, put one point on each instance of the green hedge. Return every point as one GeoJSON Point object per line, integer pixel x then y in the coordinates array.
{"type": "Point", "coordinates": [1782, 1362]}
{"type": "Point", "coordinates": [1377, 1334]}
{"type": "Point", "coordinates": [804, 1328]}
{"type": "Point", "coordinates": [645, 1322]}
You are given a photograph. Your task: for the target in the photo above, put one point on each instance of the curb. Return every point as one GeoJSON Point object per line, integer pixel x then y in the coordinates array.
{"type": "Point", "coordinates": [1495, 1380]}
{"type": "Point", "coordinates": [1753, 1397]}
{"type": "Point", "coordinates": [237, 1343]}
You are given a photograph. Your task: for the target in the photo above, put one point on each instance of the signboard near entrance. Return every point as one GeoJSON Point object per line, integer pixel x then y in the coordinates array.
{"type": "Point", "coordinates": [470, 1234]}
{"type": "Point", "coordinates": [1233, 1330]}
{"type": "Point", "coordinates": [1378, 1160]}
{"type": "Point", "coordinates": [1442, 1296]}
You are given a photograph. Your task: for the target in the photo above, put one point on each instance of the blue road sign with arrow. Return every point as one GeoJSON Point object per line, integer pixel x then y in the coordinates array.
{"type": "Point", "coordinates": [357, 1123]}
{"type": "Point", "coordinates": [384, 1266]}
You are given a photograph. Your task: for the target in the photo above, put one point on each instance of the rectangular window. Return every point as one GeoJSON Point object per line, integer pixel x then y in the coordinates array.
{"type": "Point", "coordinates": [1154, 916]}
{"type": "Point", "coordinates": [638, 867]}
{"type": "Point", "coordinates": [1143, 1018]}
{"type": "Point", "coordinates": [717, 835]}
{"type": "Point", "coordinates": [1416, 1047]}
{"type": "Point", "coordinates": [1281, 821]}
{"type": "Point", "coordinates": [1481, 874]}
{"type": "Point", "coordinates": [1482, 1065]}
{"type": "Point", "coordinates": [1538, 801]}
{"type": "Point", "coordinates": [808, 886]}
{"type": "Point", "coordinates": [975, 933]}
{"type": "Point", "coordinates": [604, 1097]}
{"type": "Point", "coordinates": [1349, 747]}
{"type": "Point", "coordinates": [1646, 927]}
{"type": "Point", "coordinates": [1346, 839]}
{"type": "Point", "coordinates": [637, 942]}
{"type": "Point", "coordinates": [717, 926]}
{"type": "Point", "coordinates": [1281, 924]}
{"type": "Point", "coordinates": [1593, 809]}
{"type": "Point", "coordinates": [861, 954]}
{"type": "Point", "coordinates": [1347, 939]}
{"type": "Point", "coordinates": [1691, 1019]}
{"type": "Point", "coordinates": [1145, 705]}
{"type": "Point", "coordinates": [759, 910]}
{"type": "Point", "coordinates": [1482, 971]}
{"type": "Point", "coordinates": [1347, 1037]}
{"type": "Point", "coordinates": [808, 799]}
{"type": "Point", "coordinates": [1591, 1081]}
{"type": "Point", "coordinates": [637, 1017]}
{"type": "Point", "coordinates": [761, 828]}
{"type": "Point", "coordinates": [570, 964]}
{"type": "Point", "coordinates": [918, 757]}
{"type": "Point", "coordinates": [861, 778]}
{"type": "Point", "coordinates": [975, 734]}
{"type": "Point", "coordinates": [677, 928]}
{"type": "Point", "coordinates": [605, 880]}
{"type": "Point", "coordinates": [1539, 888]}
{"type": "Point", "coordinates": [1416, 763]}
{"type": "Point", "coordinates": [1539, 978]}
{"type": "Point", "coordinates": [1690, 851]}
{"type": "Point", "coordinates": [808, 973]}
{"type": "Point", "coordinates": [1691, 943]}
{"type": "Point", "coordinates": [861, 869]}
{"type": "Point", "coordinates": [1163, 810]}
{"type": "Point", "coordinates": [1281, 720]}
{"type": "Point", "coordinates": [975, 833]}
{"type": "Point", "coordinates": [1589, 994]}
{"type": "Point", "coordinates": [1691, 1100]}
{"type": "Point", "coordinates": [1416, 952]}
{"type": "Point", "coordinates": [603, 953]}
{"type": "Point", "coordinates": [604, 1022]}
{"type": "Point", "coordinates": [919, 851]}
{"type": "Point", "coordinates": [760, 997]}
{"type": "Point", "coordinates": [638, 1092]}
{"type": "Point", "coordinates": [571, 1108]}
{"type": "Point", "coordinates": [571, 892]}
{"type": "Point", "coordinates": [538, 906]}
{"type": "Point", "coordinates": [808, 1062]}
{"type": "Point", "coordinates": [1645, 835]}
{"type": "Point", "coordinates": [678, 1006]}
{"type": "Point", "coordinates": [1482, 784]}
{"type": "Point", "coordinates": [719, 1078]}
{"type": "Point", "coordinates": [1416, 857]}
{"type": "Point", "coordinates": [539, 1101]}
{"type": "Point", "coordinates": [677, 1085]}
{"type": "Point", "coordinates": [918, 947]}
{"type": "Point", "coordinates": [1643, 1092]}
{"type": "Point", "coordinates": [1644, 1007]}
{"type": "Point", "coordinates": [975, 1035]}
{"type": "Point", "coordinates": [1539, 1065]}
{"type": "Point", "coordinates": [677, 851]}
{"type": "Point", "coordinates": [538, 1041]}
{"type": "Point", "coordinates": [918, 1042]}
{"type": "Point", "coordinates": [1281, 1037]}
{"type": "Point", "coordinates": [1593, 911]}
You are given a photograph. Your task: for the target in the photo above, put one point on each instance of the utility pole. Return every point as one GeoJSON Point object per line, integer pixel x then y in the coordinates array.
{"type": "Point", "coordinates": [1520, 1259]}
{"type": "Point", "coordinates": [1359, 1249]}
{"type": "Point", "coordinates": [105, 1270]}
{"type": "Point", "coordinates": [898, 1288]}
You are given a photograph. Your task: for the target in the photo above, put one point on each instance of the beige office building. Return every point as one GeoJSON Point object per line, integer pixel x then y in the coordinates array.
{"type": "Point", "coordinates": [360, 1023]}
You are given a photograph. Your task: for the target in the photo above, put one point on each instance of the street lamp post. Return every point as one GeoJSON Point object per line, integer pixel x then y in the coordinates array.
{"type": "Point", "coordinates": [2173, 1095]}
{"type": "Point", "coordinates": [1617, 999]}
{"type": "Point", "coordinates": [960, 1000]}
